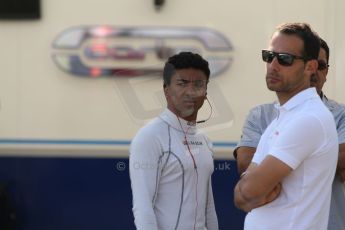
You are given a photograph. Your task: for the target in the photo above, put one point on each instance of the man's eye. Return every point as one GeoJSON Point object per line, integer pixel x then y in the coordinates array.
{"type": "Point", "coordinates": [182, 83]}
{"type": "Point", "coordinates": [199, 84]}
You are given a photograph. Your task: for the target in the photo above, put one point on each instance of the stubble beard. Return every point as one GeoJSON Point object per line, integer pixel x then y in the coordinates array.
{"type": "Point", "coordinates": [186, 112]}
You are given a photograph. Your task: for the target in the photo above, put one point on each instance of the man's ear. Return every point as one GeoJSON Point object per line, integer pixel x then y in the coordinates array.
{"type": "Point", "coordinates": [166, 92]}
{"type": "Point", "coordinates": [312, 66]}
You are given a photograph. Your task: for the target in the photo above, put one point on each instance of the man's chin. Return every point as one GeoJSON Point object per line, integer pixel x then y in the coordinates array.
{"type": "Point", "coordinates": [187, 112]}
{"type": "Point", "coordinates": [272, 88]}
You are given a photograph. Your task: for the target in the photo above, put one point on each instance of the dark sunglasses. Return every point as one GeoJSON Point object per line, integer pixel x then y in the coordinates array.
{"type": "Point", "coordinates": [283, 58]}
{"type": "Point", "coordinates": [322, 65]}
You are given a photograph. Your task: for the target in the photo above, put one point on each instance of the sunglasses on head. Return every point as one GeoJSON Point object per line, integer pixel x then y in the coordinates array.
{"type": "Point", "coordinates": [283, 58]}
{"type": "Point", "coordinates": [322, 65]}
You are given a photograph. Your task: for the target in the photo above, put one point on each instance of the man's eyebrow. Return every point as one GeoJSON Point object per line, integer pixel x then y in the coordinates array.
{"type": "Point", "coordinates": [181, 79]}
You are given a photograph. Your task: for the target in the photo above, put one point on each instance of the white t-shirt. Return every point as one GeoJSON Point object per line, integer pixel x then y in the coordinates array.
{"type": "Point", "coordinates": [261, 116]}
{"type": "Point", "coordinates": [304, 137]}
{"type": "Point", "coordinates": [168, 192]}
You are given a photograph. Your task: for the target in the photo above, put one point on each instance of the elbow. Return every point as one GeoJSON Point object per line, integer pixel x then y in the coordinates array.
{"type": "Point", "coordinates": [238, 201]}
{"type": "Point", "coordinates": [242, 204]}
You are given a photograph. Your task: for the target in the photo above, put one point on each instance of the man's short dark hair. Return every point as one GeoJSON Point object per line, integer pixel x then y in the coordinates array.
{"type": "Point", "coordinates": [184, 60]}
{"type": "Point", "coordinates": [324, 46]}
{"type": "Point", "coordinates": [310, 38]}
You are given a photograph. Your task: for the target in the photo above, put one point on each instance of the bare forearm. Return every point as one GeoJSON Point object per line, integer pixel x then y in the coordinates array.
{"type": "Point", "coordinates": [341, 156]}
{"type": "Point", "coordinates": [341, 163]}
{"type": "Point", "coordinates": [248, 204]}
{"type": "Point", "coordinates": [244, 158]}
{"type": "Point", "coordinates": [259, 185]}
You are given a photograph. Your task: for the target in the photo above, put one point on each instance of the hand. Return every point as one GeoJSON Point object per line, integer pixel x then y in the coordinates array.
{"type": "Point", "coordinates": [273, 194]}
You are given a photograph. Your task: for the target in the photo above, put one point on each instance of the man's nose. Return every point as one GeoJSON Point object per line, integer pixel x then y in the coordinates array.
{"type": "Point", "coordinates": [194, 88]}
{"type": "Point", "coordinates": [274, 64]}
{"type": "Point", "coordinates": [190, 89]}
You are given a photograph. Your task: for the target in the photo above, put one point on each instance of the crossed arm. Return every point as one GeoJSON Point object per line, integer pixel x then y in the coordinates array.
{"type": "Point", "coordinates": [261, 184]}
{"type": "Point", "coordinates": [250, 192]}
{"type": "Point", "coordinates": [245, 155]}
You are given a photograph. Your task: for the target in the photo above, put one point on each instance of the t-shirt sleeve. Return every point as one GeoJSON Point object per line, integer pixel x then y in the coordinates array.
{"type": "Point", "coordinates": [341, 127]}
{"type": "Point", "coordinates": [300, 138]}
{"type": "Point", "coordinates": [252, 129]}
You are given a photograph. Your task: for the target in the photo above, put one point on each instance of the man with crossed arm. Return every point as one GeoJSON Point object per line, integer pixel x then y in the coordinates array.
{"type": "Point", "coordinates": [261, 116]}
{"type": "Point", "coordinates": [288, 184]}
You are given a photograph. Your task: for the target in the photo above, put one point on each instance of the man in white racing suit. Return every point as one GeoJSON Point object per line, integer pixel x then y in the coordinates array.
{"type": "Point", "coordinates": [171, 162]}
